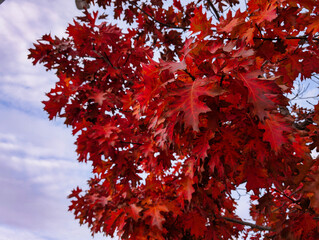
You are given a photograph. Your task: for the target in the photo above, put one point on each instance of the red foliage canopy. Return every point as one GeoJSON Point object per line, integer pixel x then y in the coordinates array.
{"type": "Point", "coordinates": [183, 106]}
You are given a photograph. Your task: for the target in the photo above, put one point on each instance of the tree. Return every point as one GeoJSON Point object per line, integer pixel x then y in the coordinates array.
{"type": "Point", "coordinates": [185, 105]}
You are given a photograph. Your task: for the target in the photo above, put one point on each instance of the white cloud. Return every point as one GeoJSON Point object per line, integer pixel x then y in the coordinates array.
{"type": "Point", "coordinates": [37, 157]}
{"type": "Point", "coordinates": [36, 134]}
{"type": "Point", "coordinates": [21, 24]}
{"type": "Point", "coordinates": [37, 172]}
{"type": "Point", "coordinates": [9, 233]}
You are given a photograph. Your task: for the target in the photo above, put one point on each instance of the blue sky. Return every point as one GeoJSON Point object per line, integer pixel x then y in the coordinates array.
{"type": "Point", "coordinates": [37, 156]}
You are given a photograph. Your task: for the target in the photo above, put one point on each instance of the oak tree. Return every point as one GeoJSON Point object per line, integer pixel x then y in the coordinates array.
{"type": "Point", "coordinates": [182, 104]}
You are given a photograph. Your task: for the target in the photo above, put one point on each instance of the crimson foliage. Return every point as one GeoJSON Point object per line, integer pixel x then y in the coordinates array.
{"type": "Point", "coordinates": [182, 107]}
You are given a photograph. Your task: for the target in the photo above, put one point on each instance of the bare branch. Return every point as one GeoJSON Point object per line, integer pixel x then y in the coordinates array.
{"type": "Point", "coordinates": [214, 9]}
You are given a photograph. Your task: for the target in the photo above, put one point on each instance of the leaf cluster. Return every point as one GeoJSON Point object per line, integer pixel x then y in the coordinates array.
{"type": "Point", "coordinates": [181, 109]}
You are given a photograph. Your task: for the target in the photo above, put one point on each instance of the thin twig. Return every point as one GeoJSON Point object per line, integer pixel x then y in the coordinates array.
{"type": "Point", "coordinates": [314, 75]}
{"type": "Point", "coordinates": [140, 144]}
{"type": "Point", "coordinates": [252, 225]}
{"type": "Point", "coordinates": [189, 74]}
{"type": "Point", "coordinates": [214, 9]}
{"type": "Point", "coordinates": [105, 58]}
{"type": "Point", "coordinates": [303, 98]}
{"type": "Point", "coordinates": [289, 197]}
{"type": "Point", "coordinates": [259, 30]}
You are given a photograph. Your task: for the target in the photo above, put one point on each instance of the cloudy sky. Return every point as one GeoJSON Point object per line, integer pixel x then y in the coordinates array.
{"type": "Point", "coordinates": [38, 166]}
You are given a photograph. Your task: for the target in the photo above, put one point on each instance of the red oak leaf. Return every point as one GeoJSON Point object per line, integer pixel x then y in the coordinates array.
{"type": "Point", "coordinates": [195, 222]}
{"type": "Point", "coordinates": [312, 189]}
{"type": "Point", "coordinates": [173, 66]}
{"type": "Point", "coordinates": [229, 27]}
{"type": "Point", "coordinates": [203, 144]}
{"type": "Point", "coordinates": [200, 22]}
{"type": "Point", "coordinates": [187, 189]}
{"type": "Point", "coordinates": [135, 211]}
{"type": "Point", "coordinates": [255, 178]}
{"type": "Point", "coordinates": [260, 92]}
{"type": "Point", "coordinates": [274, 127]}
{"type": "Point", "coordinates": [157, 218]}
{"type": "Point", "coordinates": [314, 26]}
{"type": "Point", "coordinates": [267, 14]}
{"type": "Point", "coordinates": [187, 100]}
{"type": "Point", "coordinates": [249, 35]}
{"type": "Point", "coordinates": [231, 23]}
{"type": "Point", "coordinates": [99, 97]}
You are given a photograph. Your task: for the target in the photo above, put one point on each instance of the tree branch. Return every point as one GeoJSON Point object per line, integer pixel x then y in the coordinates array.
{"type": "Point", "coordinates": [105, 58]}
{"type": "Point", "coordinates": [288, 197]}
{"type": "Point", "coordinates": [304, 124]}
{"type": "Point", "coordinates": [214, 9]}
{"type": "Point", "coordinates": [189, 74]}
{"type": "Point", "coordinates": [140, 144]}
{"type": "Point", "coordinates": [262, 228]}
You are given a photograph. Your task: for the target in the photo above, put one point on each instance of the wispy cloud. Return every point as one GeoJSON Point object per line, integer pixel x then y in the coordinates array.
{"type": "Point", "coordinates": [37, 172]}
{"type": "Point", "coordinates": [37, 157]}
{"type": "Point", "coordinates": [21, 24]}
